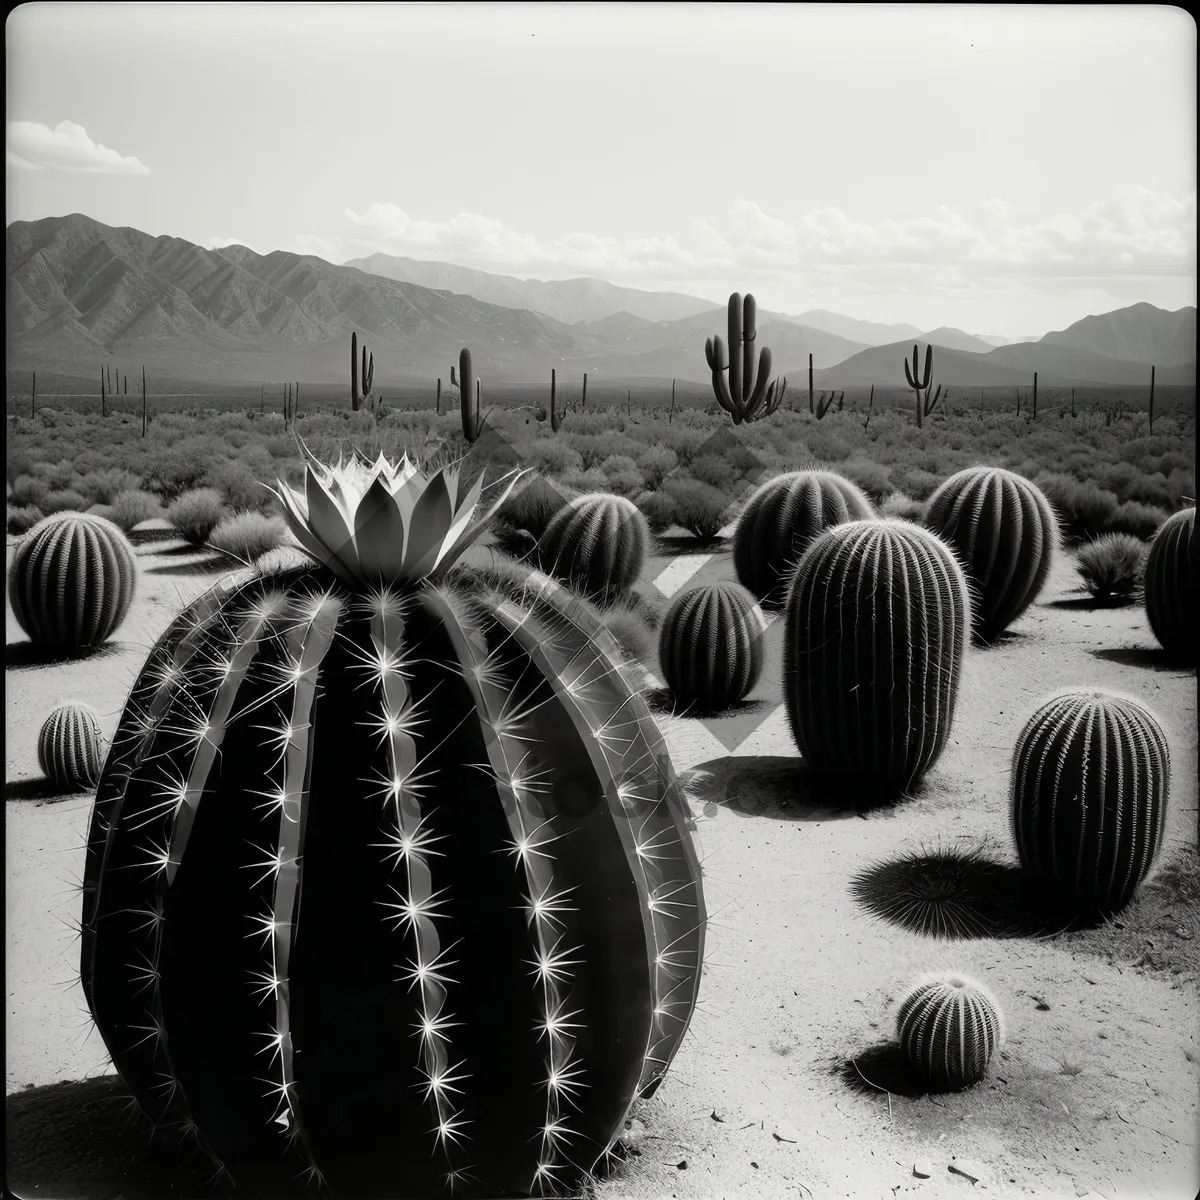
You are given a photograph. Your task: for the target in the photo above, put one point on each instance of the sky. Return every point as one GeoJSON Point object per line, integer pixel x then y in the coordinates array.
{"type": "Point", "coordinates": [1003, 169]}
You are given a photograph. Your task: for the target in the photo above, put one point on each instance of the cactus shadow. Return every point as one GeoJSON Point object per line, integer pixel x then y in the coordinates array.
{"type": "Point", "coordinates": [662, 701]}
{"type": "Point", "coordinates": [1155, 659]}
{"type": "Point", "coordinates": [24, 656]}
{"type": "Point", "coordinates": [1006, 637]}
{"type": "Point", "coordinates": [885, 1068]}
{"type": "Point", "coordinates": [960, 894]}
{"type": "Point", "coordinates": [770, 786]}
{"type": "Point", "coordinates": [37, 789]}
{"type": "Point", "coordinates": [683, 544]}
{"type": "Point", "coordinates": [1091, 603]}
{"type": "Point", "coordinates": [204, 566]}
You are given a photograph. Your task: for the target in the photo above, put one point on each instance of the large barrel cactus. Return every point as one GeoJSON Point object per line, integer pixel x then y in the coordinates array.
{"type": "Point", "coordinates": [948, 1027]}
{"type": "Point", "coordinates": [876, 627]}
{"type": "Point", "coordinates": [71, 582]}
{"type": "Point", "coordinates": [781, 518]}
{"type": "Point", "coordinates": [389, 872]}
{"type": "Point", "coordinates": [70, 747]}
{"type": "Point", "coordinates": [1171, 589]}
{"type": "Point", "coordinates": [710, 647]}
{"type": "Point", "coordinates": [1090, 777]}
{"type": "Point", "coordinates": [596, 544]}
{"type": "Point", "coordinates": [1005, 533]}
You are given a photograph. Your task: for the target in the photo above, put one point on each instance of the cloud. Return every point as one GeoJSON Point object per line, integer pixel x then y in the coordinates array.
{"type": "Point", "coordinates": [1132, 232]}
{"type": "Point", "coordinates": [67, 147]}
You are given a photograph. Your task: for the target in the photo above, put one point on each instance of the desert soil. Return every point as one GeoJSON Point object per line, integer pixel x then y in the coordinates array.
{"type": "Point", "coordinates": [1095, 1090]}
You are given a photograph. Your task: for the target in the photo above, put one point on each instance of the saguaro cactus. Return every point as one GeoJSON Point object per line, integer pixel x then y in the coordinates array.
{"type": "Point", "coordinates": [1005, 532]}
{"type": "Point", "coordinates": [949, 1026]}
{"type": "Point", "coordinates": [71, 582]}
{"type": "Point", "coordinates": [597, 544]}
{"type": "Point", "coordinates": [917, 382]}
{"type": "Point", "coordinates": [1172, 590]}
{"type": "Point", "coordinates": [876, 627]}
{"type": "Point", "coordinates": [781, 518]}
{"type": "Point", "coordinates": [70, 748]}
{"type": "Point", "coordinates": [1090, 777]}
{"type": "Point", "coordinates": [359, 396]}
{"type": "Point", "coordinates": [710, 647]}
{"type": "Point", "coordinates": [555, 415]}
{"type": "Point", "coordinates": [399, 860]}
{"type": "Point", "coordinates": [470, 392]}
{"type": "Point", "coordinates": [733, 380]}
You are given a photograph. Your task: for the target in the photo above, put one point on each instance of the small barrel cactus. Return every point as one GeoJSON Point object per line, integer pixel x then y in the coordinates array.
{"type": "Point", "coordinates": [948, 1027]}
{"type": "Point", "coordinates": [876, 627]}
{"type": "Point", "coordinates": [389, 875]}
{"type": "Point", "coordinates": [596, 544]}
{"type": "Point", "coordinates": [71, 582]}
{"type": "Point", "coordinates": [1171, 589]}
{"type": "Point", "coordinates": [70, 747]}
{"type": "Point", "coordinates": [1004, 532]}
{"type": "Point", "coordinates": [1090, 777]}
{"type": "Point", "coordinates": [710, 647]}
{"type": "Point", "coordinates": [781, 518]}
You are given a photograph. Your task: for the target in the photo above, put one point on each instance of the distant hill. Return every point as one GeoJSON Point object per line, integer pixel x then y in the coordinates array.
{"type": "Point", "coordinates": [1001, 367]}
{"type": "Point", "coordinates": [993, 340]}
{"type": "Point", "coordinates": [955, 339]}
{"type": "Point", "coordinates": [568, 300]}
{"type": "Point", "coordinates": [868, 333]}
{"type": "Point", "coordinates": [1140, 333]}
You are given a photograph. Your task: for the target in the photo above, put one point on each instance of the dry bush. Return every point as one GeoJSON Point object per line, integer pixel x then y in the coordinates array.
{"type": "Point", "coordinates": [65, 501]}
{"type": "Point", "coordinates": [1111, 567]}
{"type": "Point", "coordinates": [700, 509]}
{"type": "Point", "coordinates": [133, 507]}
{"type": "Point", "coordinates": [897, 504]}
{"type": "Point", "coordinates": [1136, 519]}
{"type": "Point", "coordinates": [247, 536]}
{"type": "Point", "coordinates": [23, 517]}
{"type": "Point", "coordinates": [197, 513]}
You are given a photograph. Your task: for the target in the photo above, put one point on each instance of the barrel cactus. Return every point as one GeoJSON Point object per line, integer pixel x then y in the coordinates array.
{"type": "Point", "coordinates": [1005, 533]}
{"type": "Point", "coordinates": [876, 627]}
{"type": "Point", "coordinates": [70, 748]}
{"type": "Point", "coordinates": [71, 582]}
{"type": "Point", "coordinates": [389, 872]}
{"type": "Point", "coordinates": [1090, 776]}
{"type": "Point", "coordinates": [948, 1027]}
{"type": "Point", "coordinates": [710, 647]}
{"type": "Point", "coordinates": [781, 518]}
{"type": "Point", "coordinates": [1171, 587]}
{"type": "Point", "coordinates": [597, 544]}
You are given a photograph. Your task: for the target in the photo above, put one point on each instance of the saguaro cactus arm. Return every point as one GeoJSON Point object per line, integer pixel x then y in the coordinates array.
{"type": "Point", "coordinates": [740, 394]}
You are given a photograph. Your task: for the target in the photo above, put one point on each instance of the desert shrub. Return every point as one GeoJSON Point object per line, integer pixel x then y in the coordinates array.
{"type": "Point", "coordinates": [715, 471]}
{"type": "Point", "coordinates": [531, 507]}
{"type": "Point", "coordinates": [618, 464]}
{"type": "Point", "coordinates": [197, 513]}
{"type": "Point", "coordinates": [247, 536]}
{"type": "Point", "coordinates": [171, 473]}
{"type": "Point", "coordinates": [58, 476]}
{"type": "Point", "coordinates": [897, 504]}
{"type": "Point", "coordinates": [657, 463]}
{"type": "Point", "coordinates": [551, 456]}
{"type": "Point", "coordinates": [23, 517]}
{"type": "Point", "coordinates": [239, 486]}
{"type": "Point", "coordinates": [103, 485]}
{"type": "Point", "coordinates": [29, 491]}
{"type": "Point", "coordinates": [585, 481]}
{"type": "Point", "coordinates": [1139, 520]}
{"type": "Point", "coordinates": [700, 509]}
{"type": "Point", "coordinates": [65, 501]}
{"type": "Point", "coordinates": [101, 510]}
{"type": "Point", "coordinates": [914, 481]}
{"type": "Point", "coordinates": [870, 476]}
{"type": "Point", "coordinates": [1083, 510]}
{"type": "Point", "coordinates": [133, 507]}
{"type": "Point", "coordinates": [659, 510]}
{"type": "Point", "coordinates": [1111, 567]}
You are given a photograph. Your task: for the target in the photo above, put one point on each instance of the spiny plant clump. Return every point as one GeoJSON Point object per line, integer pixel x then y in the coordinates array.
{"type": "Point", "coordinates": [710, 647]}
{"type": "Point", "coordinates": [779, 521]}
{"type": "Point", "coordinates": [1172, 590]}
{"type": "Point", "coordinates": [597, 544]}
{"type": "Point", "coordinates": [1005, 533]}
{"type": "Point", "coordinates": [71, 582]}
{"type": "Point", "coordinates": [876, 628]}
{"type": "Point", "coordinates": [70, 747]}
{"type": "Point", "coordinates": [389, 874]}
{"type": "Point", "coordinates": [948, 1027]}
{"type": "Point", "coordinates": [1091, 774]}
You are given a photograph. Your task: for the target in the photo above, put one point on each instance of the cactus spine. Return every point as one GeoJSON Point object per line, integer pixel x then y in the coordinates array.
{"type": "Point", "coordinates": [710, 647]}
{"type": "Point", "coordinates": [1171, 585]}
{"type": "Point", "coordinates": [70, 749]}
{"type": "Point", "coordinates": [949, 1026]}
{"type": "Point", "coordinates": [71, 582]}
{"type": "Point", "coordinates": [876, 627]}
{"type": "Point", "coordinates": [597, 544]}
{"type": "Point", "coordinates": [476, 947]}
{"type": "Point", "coordinates": [1005, 534]}
{"type": "Point", "coordinates": [779, 521]}
{"type": "Point", "coordinates": [1090, 777]}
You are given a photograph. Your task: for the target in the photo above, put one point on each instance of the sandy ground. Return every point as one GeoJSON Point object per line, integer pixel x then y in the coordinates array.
{"type": "Point", "coordinates": [1095, 1092]}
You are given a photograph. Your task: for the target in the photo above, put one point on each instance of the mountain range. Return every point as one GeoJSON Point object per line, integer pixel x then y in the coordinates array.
{"type": "Point", "coordinates": [80, 292]}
